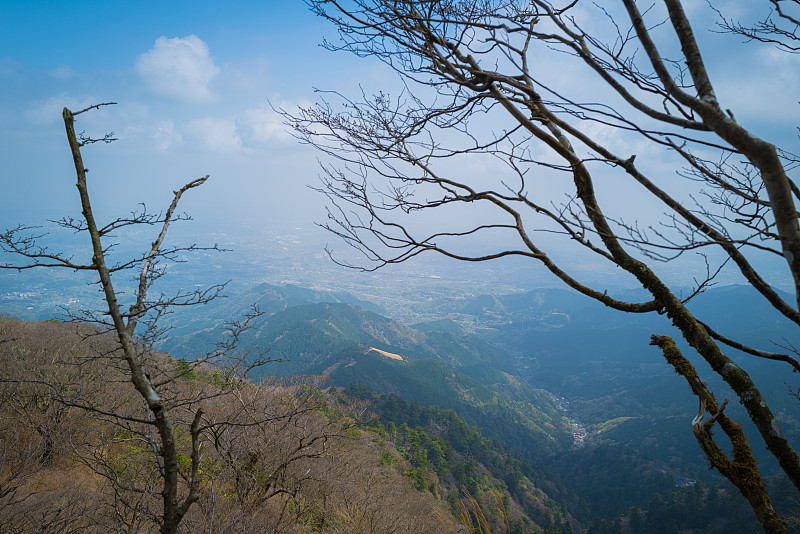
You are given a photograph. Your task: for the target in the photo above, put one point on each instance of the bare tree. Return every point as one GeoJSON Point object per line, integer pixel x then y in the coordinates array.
{"type": "Point", "coordinates": [475, 95]}
{"type": "Point", "coordinates": [75, 456]}
{"type": "Point", "coordinates": [168, 429]}
{"type": "Point", "coordinates": [152, 442]}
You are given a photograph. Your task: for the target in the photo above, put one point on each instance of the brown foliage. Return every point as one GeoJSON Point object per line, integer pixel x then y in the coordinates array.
{"type": "Point", "coordinates": [275, 456]}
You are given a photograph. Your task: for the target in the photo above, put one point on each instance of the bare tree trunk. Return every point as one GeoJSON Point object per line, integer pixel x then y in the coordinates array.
{"type": "Point", "coordinates": [174, 510]}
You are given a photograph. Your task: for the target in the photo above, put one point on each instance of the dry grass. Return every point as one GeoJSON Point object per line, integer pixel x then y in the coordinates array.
{"type": "Point", "coordinates": [289, 465]}
{"type": "Point", "coordinates": [391, 355]}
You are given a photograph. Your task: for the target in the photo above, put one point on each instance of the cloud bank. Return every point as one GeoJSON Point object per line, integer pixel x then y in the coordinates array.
{"type": "Point", "coordinates": [180, 68]}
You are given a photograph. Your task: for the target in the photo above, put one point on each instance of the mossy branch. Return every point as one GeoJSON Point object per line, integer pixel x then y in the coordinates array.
{"type": "Point", "coordinates": [741, 470]}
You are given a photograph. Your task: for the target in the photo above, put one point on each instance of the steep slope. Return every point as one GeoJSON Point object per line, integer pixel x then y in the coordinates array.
{"type": "Point", "coordinates": [67, 469]}
{"type": "Point", "coordinates": [621, 388]}
{"type": "Point", "coordinates": [353, 345]}
{"type": "Point", "coordinates": [479, 477]}
{"type": "Point", "coordinates": [522, 418]}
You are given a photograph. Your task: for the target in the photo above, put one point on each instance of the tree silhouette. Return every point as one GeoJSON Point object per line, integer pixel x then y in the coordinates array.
{"type": "Point", "coordinates": [475, 96]}
{"type": "Point", "coordinates": [172, 423]}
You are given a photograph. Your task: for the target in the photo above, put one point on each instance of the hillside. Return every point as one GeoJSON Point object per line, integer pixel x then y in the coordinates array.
{"type": "Point", "coordinates": [449, 457]}
{"type": "Point", "coordinates": [490, 374]}
{"type": "Point", "coordinates": [68, 469]}
{"type": "Point", "coordinates": [617, 385]}
{"type": "Point", "coordinates": [522, 418]}
{"type": "Point", "coordinates": [267, 298]}
{"type": "Point", "coordinates": [307, 334]}
{"type": "Point", "coordinates": [349, 344]}
{"type": "Point", "coordinates": [602, 362]}
{"type": "Point", "coordinates": [308, 463]}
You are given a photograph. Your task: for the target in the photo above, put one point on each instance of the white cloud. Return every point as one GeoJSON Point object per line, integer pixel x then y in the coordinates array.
{"type": "Point", "coordinates": [179, 68]}
{"type": "Point", "coordinates": [623, 144]}
{"type": "Point", "coordinates": [249, 131]}
{"type": "Point", "coordinates": [261, 126]}
{"type": "Point", "coordinates": [218, 134]}
{"type": "Point", "coordinates": [165, 136]}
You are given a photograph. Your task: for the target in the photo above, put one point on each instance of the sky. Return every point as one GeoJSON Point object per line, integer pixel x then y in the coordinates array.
{"type": "Point", "coordinates": [195, 85]}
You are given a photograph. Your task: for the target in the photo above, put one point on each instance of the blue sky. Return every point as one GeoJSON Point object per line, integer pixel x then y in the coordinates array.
{"type": "Point", "coordinates": [194, 82]}
{"type": "Point", "coordinates": [107, 35]}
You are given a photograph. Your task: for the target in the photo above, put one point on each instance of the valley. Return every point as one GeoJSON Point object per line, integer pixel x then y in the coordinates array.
{"type": "Point", "coordinates": [568, 390]}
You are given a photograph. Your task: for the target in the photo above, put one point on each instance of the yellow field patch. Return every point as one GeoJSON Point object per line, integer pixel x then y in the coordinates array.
{"type": "Point", "coordinates": [388, 354]}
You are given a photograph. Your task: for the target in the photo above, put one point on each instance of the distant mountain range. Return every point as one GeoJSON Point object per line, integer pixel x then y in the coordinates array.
{"type": "Point", "coordinates": [350, 344]}
{"type": "Point", "coordinates": [492, 359]}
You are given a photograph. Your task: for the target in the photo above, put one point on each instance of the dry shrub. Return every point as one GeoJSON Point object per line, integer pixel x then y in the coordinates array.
{"type": "Point", "coordinates": [77, 455]}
